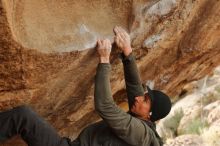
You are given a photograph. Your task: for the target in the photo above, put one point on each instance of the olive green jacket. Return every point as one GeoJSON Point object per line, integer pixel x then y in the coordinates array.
{"type": "Point", "coordinates": [118, 128]}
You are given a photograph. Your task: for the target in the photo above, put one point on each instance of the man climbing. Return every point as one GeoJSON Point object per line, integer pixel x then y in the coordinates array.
{"type": "Point", "coordinates": [118, 128]}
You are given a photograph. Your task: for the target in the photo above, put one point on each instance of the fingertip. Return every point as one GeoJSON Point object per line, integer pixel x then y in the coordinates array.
{"type": "Point", "coordinates": [114, 28]}
{"type": "Point", "coordinates": [104, 41]}
{"type": "Point", "coordinates": [123, 30]}
{"type": "Point", "coordinates": [109, 42]}
{"type": "Point", "coordinates": [99, 41]}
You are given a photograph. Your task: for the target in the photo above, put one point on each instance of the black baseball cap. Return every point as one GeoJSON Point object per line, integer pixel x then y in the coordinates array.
{"type": "Point", "coordinates": [160, 104]}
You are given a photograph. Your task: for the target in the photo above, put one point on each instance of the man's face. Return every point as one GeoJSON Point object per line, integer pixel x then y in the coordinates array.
{"type": "Point", "coordinates": [142, 106]}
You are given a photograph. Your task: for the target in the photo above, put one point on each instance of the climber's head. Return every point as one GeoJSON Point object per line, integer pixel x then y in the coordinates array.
{"type": "Point", "coordinates": [154, 105]}
{"type": "Point", "coordinates": [142, 106]}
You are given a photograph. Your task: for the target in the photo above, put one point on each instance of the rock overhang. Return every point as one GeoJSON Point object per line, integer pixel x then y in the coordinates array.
{"type": "Point", "coordinates": [49, 26]}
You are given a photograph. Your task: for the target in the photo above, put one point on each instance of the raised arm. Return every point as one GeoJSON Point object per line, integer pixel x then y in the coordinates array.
{"type": "Point", "coordinates": [130, 129]}
{"type": "Point", "coordinates": [132, 78]}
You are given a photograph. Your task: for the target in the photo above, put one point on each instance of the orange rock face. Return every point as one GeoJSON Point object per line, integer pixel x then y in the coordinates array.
{"type": "Point", "coordinates": [48, 60]}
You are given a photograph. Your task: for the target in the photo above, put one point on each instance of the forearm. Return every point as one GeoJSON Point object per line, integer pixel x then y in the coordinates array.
{"type": "Point", "coordinates": [132, 78]}
{"type": "Point", "coordinates": [130, 69]}
{"type": "Point", "coordinates": [104, 103]}
{"type": "Point", "coordinates": [102, 92]}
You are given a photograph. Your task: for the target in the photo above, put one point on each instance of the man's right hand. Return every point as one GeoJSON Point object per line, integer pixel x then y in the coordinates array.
{"type": "Point", "coordinates": [123, 40]}
{"type": "Point", "coordinates": [104, 50]}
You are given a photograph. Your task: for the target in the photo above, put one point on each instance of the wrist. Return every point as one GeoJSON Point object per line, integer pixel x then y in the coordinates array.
{"type": "Point", "coordinates": [127, 51]}
{"type": "Point", "coordinates": [104, 60]}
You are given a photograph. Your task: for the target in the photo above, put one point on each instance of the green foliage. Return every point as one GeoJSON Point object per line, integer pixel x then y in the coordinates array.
{"type": "Point", "coordinates": [217, 89]}
{"type": "Point", "coordinates": [195, 127]}
{"type": "Point", "coordinates": [173, 122]}
{"type": "Point", "coordinates": [209, 98]}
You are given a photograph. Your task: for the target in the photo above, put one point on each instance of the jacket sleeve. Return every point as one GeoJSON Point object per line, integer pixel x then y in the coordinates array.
{"type": "Point", "coordinates": [132, 78]}
{"type": "Point", "coordinates": [125, 126]}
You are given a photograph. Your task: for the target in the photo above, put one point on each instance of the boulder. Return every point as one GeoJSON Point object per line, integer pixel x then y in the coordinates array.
{"type": "Point", "coordinates": [185, 140]}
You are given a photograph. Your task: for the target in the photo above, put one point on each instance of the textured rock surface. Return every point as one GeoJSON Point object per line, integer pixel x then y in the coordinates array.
{"type": "Point", "coordinates": [48, 61]}
{"type": "Point", "coordinates": [199, 116]}
{"type": "Point", "coordinates": [186, 140]}
{"type": "Point", "coordinates": [190, 114]}
{"type": "Point", "coordinates": [214, 115]}
{"type": "Point", "coordinates": [212, 134]}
